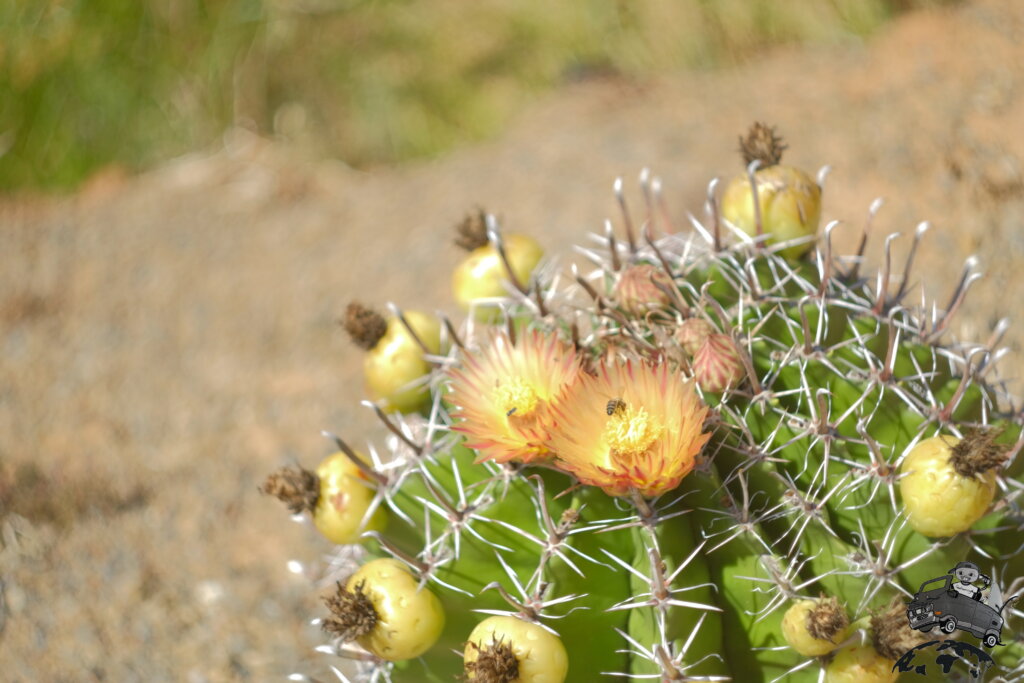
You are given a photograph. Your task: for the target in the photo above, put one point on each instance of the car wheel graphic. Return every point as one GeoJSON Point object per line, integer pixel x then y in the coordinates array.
{"type": "Point", "coordinates": [948, 624]}
{"type": "Point", "coordinates": [991, 640]}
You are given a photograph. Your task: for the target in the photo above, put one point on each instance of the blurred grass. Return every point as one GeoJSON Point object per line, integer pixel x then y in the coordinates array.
{"type": "Point", "coordinates": [87, 83]}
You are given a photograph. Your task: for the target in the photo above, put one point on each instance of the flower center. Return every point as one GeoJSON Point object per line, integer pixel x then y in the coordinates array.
{"type": "Point", "coordinates": [517, 398]}
{"type": "Point", "coordinates": [631, 431]}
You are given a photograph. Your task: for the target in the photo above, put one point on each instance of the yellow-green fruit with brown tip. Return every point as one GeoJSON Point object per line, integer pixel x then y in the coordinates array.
{"type": "Point", "coordinates": [344, 498]}
{"type": "Point", "coordinates": [395, 363]}
{"type": "Point", "coordinates": [860, 664]}
{"type": "Point", "coordinates": [539, 655]}
{"type": "Point", "coordinates": [482, 274]}
{"type": "Point", "coordinates": [938, 500]}
{"type": "Point", "coordinates": [409, 618]}
{"type": "Point", "coordinates": [797, 627]}
{"type": "Point", "coordinates": [790, 204]}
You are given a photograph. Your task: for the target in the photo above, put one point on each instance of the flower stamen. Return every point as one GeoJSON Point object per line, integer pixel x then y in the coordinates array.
{"type": "Point", "coordinates": [517, 398]}
{"type": "Point", "coordinates": [631, 431]}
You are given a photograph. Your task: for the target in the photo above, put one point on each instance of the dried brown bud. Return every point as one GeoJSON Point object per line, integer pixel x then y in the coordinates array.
{"type": "Point", "coordinates": [471, 233]}
{"type": "Point", "coordinates": [365, 326]}
{"type": "Point", "coordinates": [827, 620]}
{"type": "Point", "coordinates": [495, 663]}
{"type": "Point", "coordinates": [352, 613]}
{"type": "Point", "coordinates": [891, 634]}
{"type": "Point", "coordinates": [978, 453]}
{"type": "Point", "coordinates": [296, 487]}
{"type": "Point", "coordinates": [763, 144]}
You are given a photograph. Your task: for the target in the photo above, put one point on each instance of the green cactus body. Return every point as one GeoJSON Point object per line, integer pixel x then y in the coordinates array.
{"type": "Point", "coordinates": [796, 493]}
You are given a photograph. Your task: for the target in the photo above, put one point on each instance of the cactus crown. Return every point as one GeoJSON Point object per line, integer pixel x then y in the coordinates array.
{"type": "Point", "coordinates": [659, 525]}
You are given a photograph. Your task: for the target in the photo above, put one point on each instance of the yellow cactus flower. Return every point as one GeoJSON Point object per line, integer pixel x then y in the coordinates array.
{"type": "Point", "coordinates": [504, 395]}
{"type": "Point", "coordinates": [634, 426]}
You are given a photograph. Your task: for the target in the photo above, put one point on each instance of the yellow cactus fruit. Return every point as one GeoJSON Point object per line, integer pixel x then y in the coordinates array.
{"type": "Point", "coordinates": [394, 360]}
{"type": "Point", "coordinates": [948, 484]}
{"type": "Point", "coordinates": [345, 495]}
{"type": "Point", "coordinates": [482, 274]}
{"type": "Point", "coordinates": [860, 664]}
{"type": "Point", "coordinates": [815, 627]}
{"type": "Point", "coordinates": [337, 496]}
{"type": "Point", "coordinates": [789, 200]}
{"type": "Point", "coordinates": [384, 609]}
{"type": "Point", "coordinates": [503, 648]}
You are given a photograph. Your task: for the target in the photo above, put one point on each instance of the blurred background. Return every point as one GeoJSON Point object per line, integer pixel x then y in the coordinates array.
{"type": "Point", "coordinates": [191, 192]}
{"type": "Point", "coordinates": [87, 84]}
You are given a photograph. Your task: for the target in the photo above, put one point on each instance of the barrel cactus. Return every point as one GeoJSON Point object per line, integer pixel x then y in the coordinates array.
{"type": "Point", "coordinates": [687, 463]}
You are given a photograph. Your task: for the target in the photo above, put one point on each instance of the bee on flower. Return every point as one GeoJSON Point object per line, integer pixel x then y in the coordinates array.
{"type": "Point", "coordinates": [645, 438]}
{"type": "Point", "coordinates": [505, 393]}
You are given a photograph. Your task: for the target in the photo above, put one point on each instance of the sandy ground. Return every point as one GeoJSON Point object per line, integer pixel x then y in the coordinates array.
{"type": "Point", "coordinates": [168, 339]}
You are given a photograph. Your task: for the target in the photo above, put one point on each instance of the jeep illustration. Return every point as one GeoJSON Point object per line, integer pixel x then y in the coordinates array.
{"type": "Point", "coordinates": [938, 602]}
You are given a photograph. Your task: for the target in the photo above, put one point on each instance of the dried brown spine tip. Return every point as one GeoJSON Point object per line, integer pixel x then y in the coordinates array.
{"type": "Point", "coordinates": [352, 613]}
{"type": "Point", "coordinates": [296, 487]}
{"type": "Point", "coordinates": [365, 326]}
{"type": "Point", "coordinates": [761, 143]}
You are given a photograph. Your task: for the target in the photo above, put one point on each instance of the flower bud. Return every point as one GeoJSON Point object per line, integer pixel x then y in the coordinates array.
{"type": "Point", "coordinates": [692, 334]}
{"type": "Point", "coordinates": [637, 292]}
{"type": "Point", "coordinates": [718, 364]}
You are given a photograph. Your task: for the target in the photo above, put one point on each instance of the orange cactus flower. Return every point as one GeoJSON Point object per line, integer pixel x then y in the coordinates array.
{"type": "Point", "coordinates": [633, 427]}
{"type": "Point", "coordinates": [504, 395]}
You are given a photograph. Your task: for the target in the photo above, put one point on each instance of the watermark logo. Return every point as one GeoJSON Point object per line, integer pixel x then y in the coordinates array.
{"type": "Point", "coordinates": [954, 602]}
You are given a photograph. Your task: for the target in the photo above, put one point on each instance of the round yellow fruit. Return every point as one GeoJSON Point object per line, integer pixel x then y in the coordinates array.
{"type": "Point", "coordinates": [795, 629]}
{"type": "Point", "coordinates": [540, 654]}
{"type": "Point", "coordinates": [482, 274]}
{"type": "Point", "coordinates": [939, 501]}
{"type": "Point", "coordinates": [860, 664]}
{"type": "Point", "coordinates": [790, 204]}
{"type": "Point", "coordinates": [409, 618]}
{"type": "Point", "coordinates": [396, 362]}
{"type": "Point", "coordinates": [345, 496]}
